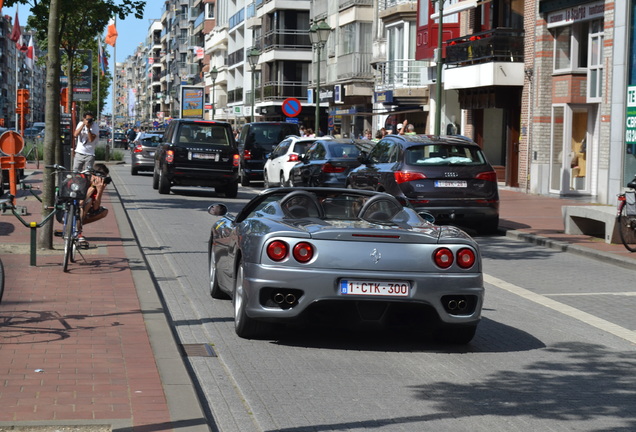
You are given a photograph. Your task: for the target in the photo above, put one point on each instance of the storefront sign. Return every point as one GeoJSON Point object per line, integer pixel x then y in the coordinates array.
{"type": "Point", "coordinates": [383, 97]}
{"type": "Point", "coordinates": [630, 116]}
{"type": "Point", "coordinates": [574, 14]}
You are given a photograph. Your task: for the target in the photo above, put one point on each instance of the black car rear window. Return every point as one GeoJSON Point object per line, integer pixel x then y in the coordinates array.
{"type": "Point", "coordinates": [202, 133]}
{"type": "Point", "coordinates": [435, 154]}
{"type": "Point", "coordinates": [269, 135]}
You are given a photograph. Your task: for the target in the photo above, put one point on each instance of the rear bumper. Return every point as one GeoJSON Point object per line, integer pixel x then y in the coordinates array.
{"type": "Point", "coordinates": [186, 176]}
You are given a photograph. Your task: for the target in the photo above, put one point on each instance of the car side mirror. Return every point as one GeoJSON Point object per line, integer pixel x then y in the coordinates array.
{"type": "Point", "coordinates": [363, 158]}
{"type": "Point", "coordinates": [217, 209]}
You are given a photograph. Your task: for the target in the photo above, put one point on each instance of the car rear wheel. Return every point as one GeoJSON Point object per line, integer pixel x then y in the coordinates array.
{"type": "Point", "coordinates": [244, 326]}
{"type": "Point", "coordinates": [155, 179]}
{"type": "Point", "coordinates": [164, 183]}
{"type": "Point", "coordinates": [215, 291]}
{"type": "Point", "coordinates": [231, 190]}
{"type": "Point", "coordinates": [134, 171]}
{"type": "Point", "coordinates": [281, 180]}
{"type": "Point", "coordinates": [244, 180]}
{"type": "Point", "coordinates": [266, 184]}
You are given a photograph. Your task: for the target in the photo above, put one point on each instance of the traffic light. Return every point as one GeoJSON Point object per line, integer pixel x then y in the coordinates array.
{"type": "Point", "coordinates": [23, 101]}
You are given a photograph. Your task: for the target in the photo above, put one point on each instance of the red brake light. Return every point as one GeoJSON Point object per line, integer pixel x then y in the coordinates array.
{"type": "Point", "coordinates": [247, 154]}
{"type": "Point", "coordinates": [443, 258]}
{"type": "Point", "coordinates": [169, 156]}
{"type": "Point", "coordinates": [293, 157]}
{"type": "Point", "coordinates": [303, 252]}
{"type": "Point", "coordinates": [235, 160]}
{"type": "Point", "coordinates": [330, 169]}
{"type": "Point", "coordinates": [138, 149]}
{"type": "Point", "coordinates": [405, 176]}
{"type": "Point", "coordinates": [487, 176]}
{"type": "Point", "coordinates": [465, 258]}
{"type": "Point", "coordinates": [277, 250]}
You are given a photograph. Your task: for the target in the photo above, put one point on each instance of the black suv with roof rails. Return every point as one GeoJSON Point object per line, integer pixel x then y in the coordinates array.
{"type": "Point", "coordinates": [197, 153]}
{"type": "Point", "coordinates": [446, 176]}
{"type": "Point", "coordinates": [256, 141]}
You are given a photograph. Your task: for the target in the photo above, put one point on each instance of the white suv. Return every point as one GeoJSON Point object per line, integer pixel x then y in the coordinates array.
{"type": "Point", "coordinates": [283, 158]}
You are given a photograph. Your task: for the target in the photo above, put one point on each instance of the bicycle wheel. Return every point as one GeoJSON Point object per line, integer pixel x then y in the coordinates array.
{"type": "Point", "coordinates": [627, 228]}
{"type": "Point", "coordinates": [1, 281]}
{"type": "Point", "coordinates": [69, 234]}
{"type": "Point", "coordinates": [37, 156]}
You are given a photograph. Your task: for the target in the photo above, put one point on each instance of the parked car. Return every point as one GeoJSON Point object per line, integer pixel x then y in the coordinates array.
{"type": "Point", "coordinates": [280, 161]}
{"type": "Point", "coordinates": [104, 133]}
{"type": "Point", "coordinates": [256, 141]}
{"type": "Point", "coordinates": [120, 140]}
{"type": "Point", "coordinates": [327, 253]}
{"type": "Point", "coordinates": [326, 163]}
{"type": "Point", "coordinates": [33, 133]}
{"type": "Point", "coordinates": [142, 155]}
{"type": "Point", "coordinates": [197, 153]}
{"type": "Point", "coordinates": [447, 176]}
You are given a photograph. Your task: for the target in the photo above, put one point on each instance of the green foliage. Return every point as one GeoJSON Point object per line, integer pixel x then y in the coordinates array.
{"type": "Point", "coordinates": [115, 155]}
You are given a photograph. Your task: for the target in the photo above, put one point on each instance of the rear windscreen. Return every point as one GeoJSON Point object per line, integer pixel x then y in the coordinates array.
{"type": "Point", "coordinates": [434, 154]}
{"type": "Point", "coordinates": [201, 133]}
{"type": "Point", "coordinates": [267, 136]}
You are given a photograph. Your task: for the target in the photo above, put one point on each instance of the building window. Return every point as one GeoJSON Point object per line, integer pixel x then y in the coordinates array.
{"type": "Point", "coordinates": [209, 11]}
{"type": "Point", "coordinates": [571, 47]}
{"type": "Point", "coordinates": [595, 66]}
{"type": "Point", "coordinates": [354, 37]}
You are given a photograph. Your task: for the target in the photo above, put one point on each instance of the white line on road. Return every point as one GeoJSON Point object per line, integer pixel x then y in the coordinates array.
{"type": "Point", "coordinates": [585, 317]}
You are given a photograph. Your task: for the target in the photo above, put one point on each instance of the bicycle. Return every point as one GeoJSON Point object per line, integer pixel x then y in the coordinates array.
{"type": "Point", "coordinates": [32, 154]}
{"type": "Point", "coordinates": [626, 216]}
{"type": "Point", "coordinates": [5, 203]}
{"type": "Point", "coordinates": [72, 187]}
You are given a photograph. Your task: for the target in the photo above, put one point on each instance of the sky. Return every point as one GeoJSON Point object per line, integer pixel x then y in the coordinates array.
{"type": "Point", "coordinates": [131, 32]}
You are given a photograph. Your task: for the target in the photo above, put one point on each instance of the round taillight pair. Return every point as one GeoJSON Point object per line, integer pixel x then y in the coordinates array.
{"type": "Point", "coordinates": [444, 258]}
{"type": "Point", "coordinates": [278, 250]}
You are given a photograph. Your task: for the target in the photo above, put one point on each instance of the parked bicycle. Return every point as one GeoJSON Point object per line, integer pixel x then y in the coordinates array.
{"type": "Point", "coordinates": [32, 154]}
{"type": "Point", "coordinates": [71, 191]}
{"type": "Point", "coordinates": [626, 216]}
{"type": "Point", "coordinates": [5, 203]}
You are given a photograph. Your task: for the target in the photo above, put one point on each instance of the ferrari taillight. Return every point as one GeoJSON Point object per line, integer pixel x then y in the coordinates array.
{"type": "Point", "coordinates": [277, 250]}
{"type": "Point", "coordinates": [406, 176]}
{"type": "Point", "coordinates": [169, 156]}
{"type": "Point", "coordinates": [443, 258]}
{"type": "Point", "coordinates": [465, 258]}
{"type": "Point", "coordinates": [303, 252]}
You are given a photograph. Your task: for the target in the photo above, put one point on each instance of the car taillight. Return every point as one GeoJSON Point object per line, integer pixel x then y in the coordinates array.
{"type": "Point", "coordinates": [465, 258]}
{"type": "Point", "coordinates": [236, 160]}
{"type": "Point", "coordinates": [277, 250]}
{"type": "Point", "coordinates": [247, 154]}
{"type": "Point", "coordinates": [293, 158]}
{"type": "Point", "coordinates": [170, 156]}
{"type": "Point", "coordinates": [443, 257]}
{"type": "Point", "coordinates": [332, 169]}
{"type": "Point", "coordinates": [405, 176]}
{"type": "Point", "coordinates": [303, 252]}
{"type": "Point", "coordinates": [138, 149]}
{"type": "Point", "coordinates": [487, 176]}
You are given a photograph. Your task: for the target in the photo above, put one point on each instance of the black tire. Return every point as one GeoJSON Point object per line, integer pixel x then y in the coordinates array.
{"type": "Point", "coordinates": [490, 226]}
{"type": "Point", "coordinates": [231, 190]}
{"type": "Point", "coordinates": [155, 179]}
{"type": "Point", "coordinates": [134, 171]}
{"type": "Point", "coordinates": [266, 184]}
{"type": "Point", "coordinates": [626, 228]}
{"type": "Point", "coordinates": [456, 335]}
{"type": "Point", "coordinates": [281, 179]}
{"type": "Point", "coordinates": [244, 180]}
{"type": "Point", "coordinates": [245, 327]}
{"type": "Point", "coordinates": [215, 291]}
{"type": "Point", "coordinates": [164, 183]}
{"type": "Point", "coordinates": [1, 280]}
{"type": "Point", "coordinates": [68, 236]}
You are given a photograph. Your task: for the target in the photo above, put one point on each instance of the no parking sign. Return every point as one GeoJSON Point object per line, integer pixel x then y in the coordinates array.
{"type": "Point", "coordinates": [291, 107]}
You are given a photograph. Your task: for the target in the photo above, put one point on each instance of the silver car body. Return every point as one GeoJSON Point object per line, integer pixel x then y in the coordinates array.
{"type": "Point", "coordinates": [354, 248]}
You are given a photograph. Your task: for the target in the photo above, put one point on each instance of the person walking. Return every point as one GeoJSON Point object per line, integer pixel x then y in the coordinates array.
{"type": "Point", "coordinates": [87, 137]}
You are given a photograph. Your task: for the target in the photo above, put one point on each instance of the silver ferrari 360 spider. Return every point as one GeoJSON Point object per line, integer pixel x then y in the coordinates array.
{"type": "Point", "coordinates": [325, 253]}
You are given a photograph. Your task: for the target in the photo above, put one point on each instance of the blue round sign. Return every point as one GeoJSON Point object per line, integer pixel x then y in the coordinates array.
{"type": "Point", "coordinates": [291, 107]}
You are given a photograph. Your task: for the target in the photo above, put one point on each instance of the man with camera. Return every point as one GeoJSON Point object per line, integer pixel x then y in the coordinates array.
{"type": "Point", "coordinates": [87, 134]}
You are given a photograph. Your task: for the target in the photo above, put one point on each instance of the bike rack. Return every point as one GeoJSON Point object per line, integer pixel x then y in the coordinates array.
{"type": "Point", "coordinates": [33, 226]}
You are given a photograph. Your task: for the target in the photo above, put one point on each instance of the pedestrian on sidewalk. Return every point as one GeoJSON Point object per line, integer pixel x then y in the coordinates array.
{"type": "Point", "coordinates": [87, 137]}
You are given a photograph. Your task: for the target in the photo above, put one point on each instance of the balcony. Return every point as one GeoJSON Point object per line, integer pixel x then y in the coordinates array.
{"type": "Point", "coordinates": [286, 39]}
{"type": "Point", "coordinates": [345, 4]}
{"type": "Point", "coordinates": [356, 65]}
{"type": "Point", "coordinates": [236, 57]}
{"type": "Point", "coordinates": [490, 58]}
{"type": "Point", "coordinates": [281, 90]}
{"type": "Point", "coordinates": [398, 74]}
{"type": "Point", "coordinates": [399, 5]}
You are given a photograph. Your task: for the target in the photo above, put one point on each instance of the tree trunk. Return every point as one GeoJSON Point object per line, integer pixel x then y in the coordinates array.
{"type": "Point", "coordinates": [52, 110]}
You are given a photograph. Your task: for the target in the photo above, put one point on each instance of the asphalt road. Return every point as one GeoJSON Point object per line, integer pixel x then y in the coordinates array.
{"type": "Point", "coordinates": [554, 351]}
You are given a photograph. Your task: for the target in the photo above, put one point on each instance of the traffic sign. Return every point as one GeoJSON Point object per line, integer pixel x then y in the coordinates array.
{"type": "Point", "coordinates": [11, 143]}
{"type": "Point", "coordinates": [291, 107]}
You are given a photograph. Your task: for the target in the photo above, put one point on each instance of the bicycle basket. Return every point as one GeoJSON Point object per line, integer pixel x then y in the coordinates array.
{"type": "Point", "coordinates": [630, 203]}
{"type": "Point", "coordinates": [72, 185]}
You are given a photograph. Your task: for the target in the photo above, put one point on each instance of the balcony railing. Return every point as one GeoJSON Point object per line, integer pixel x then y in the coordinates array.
{"type": "Point", "coordinates": [236, 57]}
{"type": "Point", "coordinates": [344, 4]}
{"type": "Point", "coordinates": [498, 45]}
{"type": "Point", "coordinates": [280, 90]}
{"type": "Point", "coordinates": [396, 74]}
{"type": "Point", "coordinates": [385, 4]}
{"type": "Point", "coordinates": [286, 39]}
{"type": "Point", "coordinates": [356, 65]}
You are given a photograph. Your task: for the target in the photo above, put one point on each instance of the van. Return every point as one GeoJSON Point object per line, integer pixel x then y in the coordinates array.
{"type": "Point", "coordinates": [256, 141]}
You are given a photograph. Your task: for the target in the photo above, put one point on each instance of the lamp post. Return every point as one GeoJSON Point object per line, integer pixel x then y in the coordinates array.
{"type": "Point", "coordinates": [318, 34]}
{"type": "Point", "coordinates": [214, 73]}
{"type": "Point", "coordinates": [252, 57]}
{"type": "Point", "coordinates": [439, 60]}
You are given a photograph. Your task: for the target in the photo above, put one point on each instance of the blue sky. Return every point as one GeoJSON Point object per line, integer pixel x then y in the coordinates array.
{"type": "Point", "coordinates": [131, 32]}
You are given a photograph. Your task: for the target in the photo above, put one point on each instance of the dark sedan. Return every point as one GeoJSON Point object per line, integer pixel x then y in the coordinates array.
{"type": "Point", "coordinates": [120, 140]}
{"type": "Point", "coordinates": [326, 163]}
{"type": "Point", "coordinates": [143, 153]}
{"type": "Point", "coordinates": [446, 176]}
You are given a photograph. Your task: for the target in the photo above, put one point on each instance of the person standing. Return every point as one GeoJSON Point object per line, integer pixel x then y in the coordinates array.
{"type": "Point", "coordinates": [87, 137]}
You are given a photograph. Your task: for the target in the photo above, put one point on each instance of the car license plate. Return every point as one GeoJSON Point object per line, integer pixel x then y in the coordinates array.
{"type": "Point", "coordinates": [151, 153]}
{"type": "Point", "coordinates": [451, 183]}
{"type": "Point", "coordinates": [374, 288]}
{"type": "Point", "coordinates": [209, 156]}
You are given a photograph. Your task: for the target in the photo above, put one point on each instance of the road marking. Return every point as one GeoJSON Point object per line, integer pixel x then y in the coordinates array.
{"type": "Point", "coordinates": [626, 294]}
{"type": "Point", "coordinates": [585, 317]}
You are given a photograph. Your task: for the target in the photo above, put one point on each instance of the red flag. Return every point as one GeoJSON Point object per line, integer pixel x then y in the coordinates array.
{"type": "Point", "coordinates": [111, 36]}
{"type": "Point", "coordinates": [30, 54]}
{"type": "Point", "coordinates": [15, 33]}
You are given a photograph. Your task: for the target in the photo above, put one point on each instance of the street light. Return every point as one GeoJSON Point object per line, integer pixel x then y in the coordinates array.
{"type": "Point", "coordinates": [318, 35]}
{"type": "Point", "coordinates": [214, 73]}
{"type": "Point", "coordinates": [439, 60]}
{"type": "Point", "coordinates": [252, 57]}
